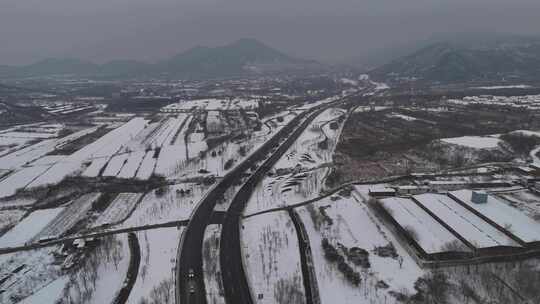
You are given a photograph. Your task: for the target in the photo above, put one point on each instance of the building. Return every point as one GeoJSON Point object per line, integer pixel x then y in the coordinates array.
{"type": "Point", "coordinates": [479, 197]}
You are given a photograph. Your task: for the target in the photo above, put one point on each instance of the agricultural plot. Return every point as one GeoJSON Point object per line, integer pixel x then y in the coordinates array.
{"type": "Point", "coordinates": [110, 143]}
{"type": "Point", "coordinates": [180, 137]}
{"type": "Point", "coordinates": [27, 275]}
{"type": "Point", "coordinates": [284, 190]}
{"type": "Point", "coordinates": [68, 218]}
{"type": "Point", "coordinates": [132, 165]}
{"type": "Point", "coordinates": [211, 265]}
{"type": "Point", "coordinates": [33, 152]}
{"type": "Point", "coordinates": [272, 258]}
{"type": "Point", "coordinates": [170, 160]}
{"type": "Point", "coordinates": [95, 167]}
{"type": "Point", "coordinates": [164, 133]}
{"type": "Point", "coordinates": [212, 104]}
{"type": "Point", "coordinates": [425, 230]}
{"type": "Point", "coordinates": [148, 164]}
{"type": "Point", "coordinates": [56, 174]}
{"type": "Point", "coordinates": [18, 202]}
{"type": "Point", "coordinates": [10, 144]}
{"type": "Point", "coordinates": [167, 204]}
{"type": "Point", "coordinates": [196, 144]}
{"type": "Point", "coordinates": [506, 216]}
{"type": "Point", "coordinates": [474, 229]}
{"type": "Point", "coordinates": [115, 164]}
{"type": "Point", "coordinates": [20, 179]}
{"type": "Point", "coordinates": [476, 142]}
{"type": "Point", "coordinates": [156, 276]}
{"type": "Point", "coordinates": [50, 293]}
{"type": "Point", "coordinates": [118, 210]}
{"type": "Point", "coordinates": [101, 274]}
{"type": "Point", "coordinates": [29, 227]}
{"type": "Point", "coordinates": [9, 218]}
{"type": "Point", "coordinates": [24, 156]}
{"type": "Point", "coordinates": [384, 269]}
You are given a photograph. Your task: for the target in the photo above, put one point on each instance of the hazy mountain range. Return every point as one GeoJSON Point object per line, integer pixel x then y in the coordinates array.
{"type": "Point", "coordinates": [442, 58]}
{"type": "Point", "coordinates": [240, 57]}
{"type": "Point", "coordinates": [461, 58]}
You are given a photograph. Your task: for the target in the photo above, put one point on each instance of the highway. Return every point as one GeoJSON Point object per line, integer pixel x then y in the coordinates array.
{"type": "Point", "coordinates": [189, 256]}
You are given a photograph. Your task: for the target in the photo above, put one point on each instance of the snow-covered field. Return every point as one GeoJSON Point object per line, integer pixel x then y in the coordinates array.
{"type": "Point", "coordinates": [477, 142]}
{"type": "Point", "coordinates": [69, 217]}
{"type": "Point", "coordinates": [48, 294]}
{"type": "Point", "coordinates": [101, 274]}
{"type": "Point", "coordinates": [211, 265]}
{"type": "Point", "coordinates": [130, 167]}
{"type": "Point", "coordinates": [158, 208]}
{"type": "Point", "coordinates": [119, 209]}
{"type": "Point", "coordinates": [95, 167]}
{"type": "Point", "coordinates": [28, 154]}
{"type": "Point", "coordinates": [427, 232]}
{"type": "Point", "coordinates": [512, 219]}
{"type": "Point", "coordinates": [29, 227]}
{"type": "Point", "coordinates": [401, 116]}
{"type": "Point", "coordinates": [115, 164]}
{"type": "Point", "coordinates": [9, 218]}
{"type": "Point", "coordinates": [155, 280]}
{"type": "Point", "coordinates": [27, 273]}
{"type": "Point", "coordinates": [349, 222]}
{"type": "Point", "coordinates": [212, 104]}
{"type": "Point", "coordinates": [147, 166]}
{"type": "Point", "coordinates": [272, 258]}
{"type": "Point", "coordinates": [20, 179]}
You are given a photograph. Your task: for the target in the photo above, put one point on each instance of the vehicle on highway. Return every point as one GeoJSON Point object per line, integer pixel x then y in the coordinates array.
{"type": "Point", "coordinates": [191, 287]}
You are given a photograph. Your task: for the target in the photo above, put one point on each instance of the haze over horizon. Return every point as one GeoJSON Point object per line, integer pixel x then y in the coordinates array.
{"type": "Point", "coordinates": [103, 30]}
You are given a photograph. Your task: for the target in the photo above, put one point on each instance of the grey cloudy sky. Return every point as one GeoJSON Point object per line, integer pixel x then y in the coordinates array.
{"type": "Point", "coordinates": [326, 30]}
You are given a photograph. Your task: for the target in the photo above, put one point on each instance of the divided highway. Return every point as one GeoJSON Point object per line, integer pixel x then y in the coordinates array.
{"type": "Point", "coordinates": [189, 273]}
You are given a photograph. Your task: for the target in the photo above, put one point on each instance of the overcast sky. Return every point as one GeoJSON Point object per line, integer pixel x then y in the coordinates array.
{"type": "Point", "coordinates": [326, 30]}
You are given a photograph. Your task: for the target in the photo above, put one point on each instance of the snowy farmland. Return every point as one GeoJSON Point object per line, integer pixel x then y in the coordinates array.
{"type": "Point", "coordinates": [29, 227]}
{"type": "Point", "coordinates": [101, 274]}
{"type": "Point", "coordinates": [349, 226]}
{"type": "Point", "coordinates": [69, 217]}
{"type": "Point", "coordinates": [9, 218]}
{"type": "Point", "coordinates": [476, 142]}
{"type": "Point", "coordinates": [272, 258]}
{"type": "Point", "coordinates": [28, 273]}
{"type": "Point", "coordinates": [119, 209]}
{"type": "Point", "coordinates": [175, 204]}
{"type": "Point", "coordinates": [211, 265]}
{"type": "Point", "coordinates": [20, 179]}
{"type": "Point", "coordinates": [156, 277]}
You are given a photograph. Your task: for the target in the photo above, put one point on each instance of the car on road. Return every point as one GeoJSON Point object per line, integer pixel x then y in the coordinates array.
{"type": "Point", "coordinates": [191, 274]}
{"type": "Point", "coordinates": [191, 287]}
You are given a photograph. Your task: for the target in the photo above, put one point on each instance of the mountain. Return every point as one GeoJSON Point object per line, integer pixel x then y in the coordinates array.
{"type": "Point", "coordinates": [234, 59]}
{"type": "Point", "coordinates": [238, 58]}
{"type": "Point", "coordinates": [492, 58]}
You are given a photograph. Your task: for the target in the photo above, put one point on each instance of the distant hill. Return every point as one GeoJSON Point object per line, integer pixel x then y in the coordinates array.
{"type": "Point", "coordinates": [241, 57]}
{"type": "Point", "coordinates": [468, 59]}
{"type": "Point", "coordinates": [237, 58]}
